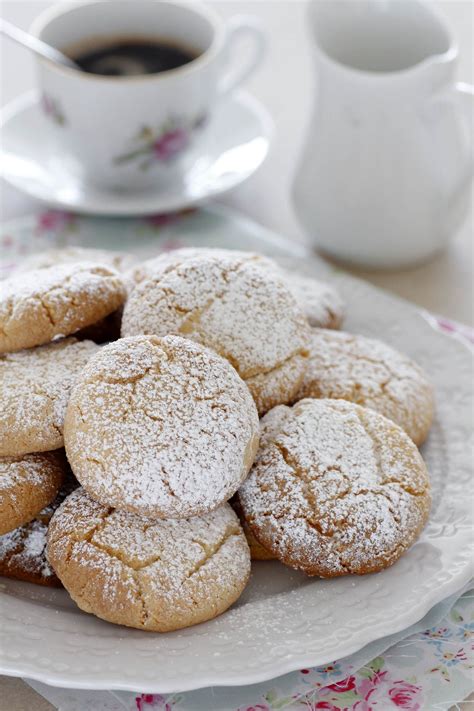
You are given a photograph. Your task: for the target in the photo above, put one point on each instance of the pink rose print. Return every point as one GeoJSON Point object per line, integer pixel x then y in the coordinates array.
{"type": "Point", "coordinates": [152, 701]}
{"type": "Point", "coordinates": [52, 110]}
{"type": "Point", "coordinates": [163, 144]}
{"type": "Point", "coordinates": [404, 695]}
{"type": "Point", "coordinates": [344, 685]}
{"type": "Point", "coordinates": [257, 707]}
{"type": "Point", "coordinates": [379, 690]}
{"type": "Point", "coordinates": [170, 144]}
{"type": "Point", "coordinates": [54, 220]}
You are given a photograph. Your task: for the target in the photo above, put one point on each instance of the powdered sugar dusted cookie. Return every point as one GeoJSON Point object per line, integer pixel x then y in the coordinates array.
{"type": "Point", "coordinates": [108, 328]}
{"type": "Point", "coordinates": [23, 551]}
{"type": "Point", "coordinates": [320, 302]}
{"type": "Point", "coordinates": [40, 305]}
{"type": "Point", "coordinates": [28, 484]}
{"type": "Point", "coordinates": [160, 426]}
{"type": "Point", "coordinates": [121, 261]}
{"type": "Point", "coordinates": [370, 373]}
{"type": "Point", "coordinates": [231, 304]}
{"type": "Point", "coordinates": [335, 488]}
{"type": "Point", "coordinates": [257, 551]}
{"type": "Point", "coordinates": [35, 385]}
{"type": "Point", "coordinates": [153, 575]}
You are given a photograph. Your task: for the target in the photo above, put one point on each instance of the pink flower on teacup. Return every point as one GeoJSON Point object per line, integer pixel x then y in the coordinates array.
{"type": "Point", "coordinates": [163, 144]}
{"type": "Point", "coordinates": [52, 109]}
{"type": "Point", "coordinates": [170, 144]}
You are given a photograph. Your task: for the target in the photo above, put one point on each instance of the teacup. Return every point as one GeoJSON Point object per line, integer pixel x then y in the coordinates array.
{"type": "Point", "coordinates": [129, 133]}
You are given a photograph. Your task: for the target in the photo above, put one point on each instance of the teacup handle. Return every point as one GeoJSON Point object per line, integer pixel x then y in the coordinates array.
{"type": "Point", "coordinates": [237, 28]}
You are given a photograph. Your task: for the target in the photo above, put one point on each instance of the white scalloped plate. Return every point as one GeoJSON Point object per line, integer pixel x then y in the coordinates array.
{"type": "Point", "coordinates": [284, 621]}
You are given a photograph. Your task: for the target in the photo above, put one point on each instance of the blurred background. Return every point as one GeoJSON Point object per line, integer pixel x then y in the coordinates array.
{"type": "Point", "coordinates": [284, 84]}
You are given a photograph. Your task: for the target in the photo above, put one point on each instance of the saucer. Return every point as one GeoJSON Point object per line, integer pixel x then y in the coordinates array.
{"type": "Point", "coordinates": [237, 142]}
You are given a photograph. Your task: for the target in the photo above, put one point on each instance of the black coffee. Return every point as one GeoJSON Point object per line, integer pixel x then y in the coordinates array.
{"type": "Point", "coordinates": [133, 57]}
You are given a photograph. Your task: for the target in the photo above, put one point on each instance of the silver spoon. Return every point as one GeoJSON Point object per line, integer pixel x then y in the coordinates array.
{"type": "Point", "coordinates": [36, 45]}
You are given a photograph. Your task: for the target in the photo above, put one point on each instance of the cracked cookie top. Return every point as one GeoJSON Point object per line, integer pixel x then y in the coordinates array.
{"type": "Point", "coordinates": [161, 427]}
{"type": "Point", "coordinates": [372, 374]}
{"type": "Point", "coordinates": [320, 302]}
{"type": "Point", "coordinates": [335, 488]}
{"type": "Point", "coordinates": [144, 573]}
{"type": "Point", "coordinates": [35, 385]}
{"type": "Point", "coordinates": [231, 304]}
{"type": "Point", "coordinates": [40, 305]}
{"type": "Point", "coordinates": [27, 485]}
{"type": "Point", "coordinates": [121, 261]}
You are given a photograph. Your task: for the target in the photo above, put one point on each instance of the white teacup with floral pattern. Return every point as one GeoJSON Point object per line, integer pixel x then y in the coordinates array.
{"type": "Point", "coordinates": [128, 133]}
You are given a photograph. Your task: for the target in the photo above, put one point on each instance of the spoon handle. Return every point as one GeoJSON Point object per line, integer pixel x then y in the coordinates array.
{"type": "Point", "coordinates": [36, 45]}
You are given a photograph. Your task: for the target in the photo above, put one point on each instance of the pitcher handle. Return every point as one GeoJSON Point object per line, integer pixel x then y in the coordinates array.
{"type": "Point", "coordinates": [465, 93]}
{"type": "Point", "coordinates": [238, 27]}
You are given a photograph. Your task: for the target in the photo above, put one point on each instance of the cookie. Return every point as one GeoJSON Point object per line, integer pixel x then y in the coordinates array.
{"type": "Point", "coordinates": [23, 551]}
{"type": "Point", "coordinates": [160, 427]}
{"type": "Point", "coordinates": [240, 310]}
{"type": "Point", "coordinates": [27, 485]}
{"type": "Point", "coordinates": [35, 385]}
{"type": "Point", "coordinates": [40, 305]}
{"type": "Point", "coordinates": [335, 489]}
{"type": "Point", "coordinates": [121, 261]}
{"type": "Point", "coordinates": [320, 302]}
{"type": "Point", "coordinates": [372, 374]}
{"type": "Point", "coordinates": [156, 266]}
{"type": "Point", "coordinates": [149, 574]}
{"type": "Point", "coordinates": [108, 328]}
{"type": "Point", "coordinates": [257, 551]}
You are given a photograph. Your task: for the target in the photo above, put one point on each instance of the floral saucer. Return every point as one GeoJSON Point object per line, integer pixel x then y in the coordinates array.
{"type": "Point", "coordinates": [238, 139]}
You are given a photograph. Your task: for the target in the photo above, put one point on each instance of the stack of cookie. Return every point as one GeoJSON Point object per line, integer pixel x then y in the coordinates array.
{"type": "Point", "coordinates": [161, 429]}
{"type": "Point", "coordinates": [38, 368]}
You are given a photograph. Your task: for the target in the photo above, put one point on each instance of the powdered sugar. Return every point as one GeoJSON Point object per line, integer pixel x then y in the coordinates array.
{"type": "Point", "coordinates": [34, 389]}
{"type": "Point", "coordinates": [230, 304]}
{"type": "Point", "coordinates": [152, 574]}
{"type": "Point", "coordinates": [15, 471]}
{"type": "Point", "coordinates": [24, 550]}
{"type": "Point", "coordinates": [320, 302]}
{"type": "Point", "coordinates": [27, 484]}
{"type": "Point", "coordinates": [160, 426]}
{"type": "Point", "coordinates": [37, 305]}
{"type": "Point", "coordinates": [370, 373]}
{"type": "Point", "coordinates": [335, 488]}
{"type": "Point", "coordinates": [121, 261]}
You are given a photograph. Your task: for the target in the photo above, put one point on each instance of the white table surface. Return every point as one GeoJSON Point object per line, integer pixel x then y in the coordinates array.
{"type": "Point", "coordinates": [284, 84]}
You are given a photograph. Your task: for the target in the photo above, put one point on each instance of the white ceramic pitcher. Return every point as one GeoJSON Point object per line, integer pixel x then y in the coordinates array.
{"type": "Point", "coordinates": [384, 178]}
